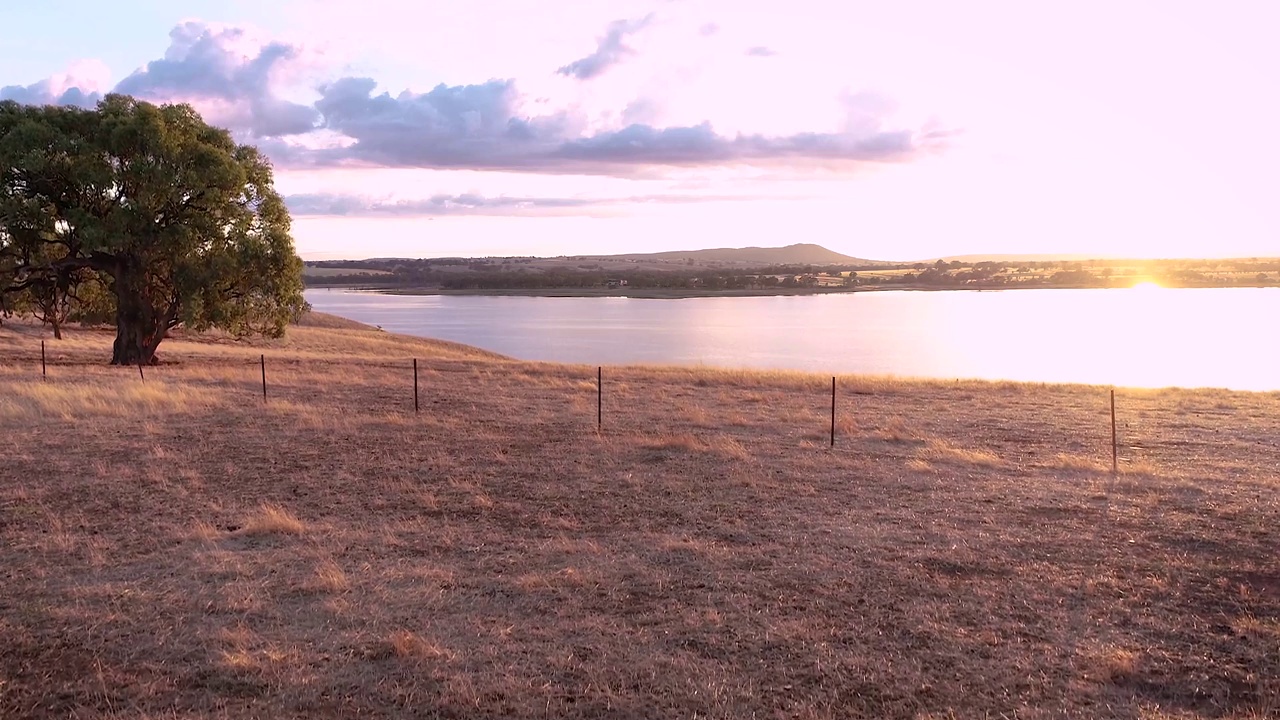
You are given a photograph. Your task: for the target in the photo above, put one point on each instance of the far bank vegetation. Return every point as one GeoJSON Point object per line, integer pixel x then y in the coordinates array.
{"type": "Point", "coordinates": [622, 274]}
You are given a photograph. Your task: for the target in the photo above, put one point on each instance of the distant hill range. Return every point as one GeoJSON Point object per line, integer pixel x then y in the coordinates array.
{"type": "Point", "coordinates": [798, 254]}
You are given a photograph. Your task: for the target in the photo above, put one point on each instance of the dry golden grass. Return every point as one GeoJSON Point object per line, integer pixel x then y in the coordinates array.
{"type": "Point", "coordinates": [1109, 665]}
{"type": "Point", "coordinates": [1075, 463]}
{"type": "Point", "coordinates": [942, 452]}
{"type": "Point", "coordinates": [272, 519]}
{"type": "Point", "coordinates": [177, 547]}
{"type": "Point", "coordinates": [407, 645]}
{"type": "Point", "coordinates": [330, 322]}
{"type": "Point", "coordinates": [898, 431]}
{"type": "Point", "coordinates": [135, 399]}
{"type": "Point", "coordinates": [331, 578]}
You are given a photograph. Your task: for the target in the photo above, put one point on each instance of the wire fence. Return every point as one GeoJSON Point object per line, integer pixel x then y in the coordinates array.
{"type": "Point", "coordinates": [1078, 610]}
{"type": "Point", "coordinates": [600, 394]}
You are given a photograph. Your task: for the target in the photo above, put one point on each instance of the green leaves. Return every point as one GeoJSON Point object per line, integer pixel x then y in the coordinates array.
{"type": "Point", "coordinates": [184, 221]}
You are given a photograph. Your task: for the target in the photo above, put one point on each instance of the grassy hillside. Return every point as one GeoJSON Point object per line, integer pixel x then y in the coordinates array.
{"type": "Point", "coordinates": [311, 271]}
{"type": "Point", "coordinates": [797, 254]}
{"type": "Point", "coordinates": [176, 547]}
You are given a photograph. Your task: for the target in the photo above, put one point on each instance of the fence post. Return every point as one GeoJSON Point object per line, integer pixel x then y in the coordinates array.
{"type": "Point", "coordinates": [833, 411]}
{"type": "Point", "coordinates": [599, 399]}
{"type": "Point", "coordinates": [140, 375]}
{"type": "Point", "coordinates": [1115, 458]}
{"type": "Point", "coordinates": [262, 360]}
{"type": "Point", "coordinates": [415, 386]}
{"type": "Point", "coordinates": [44, 370]}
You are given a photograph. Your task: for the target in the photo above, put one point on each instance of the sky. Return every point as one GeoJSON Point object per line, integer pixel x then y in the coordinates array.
{"type": "Point", "coordinates": [895, 131]}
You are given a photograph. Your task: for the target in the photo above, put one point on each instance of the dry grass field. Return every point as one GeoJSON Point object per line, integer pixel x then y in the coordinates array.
{"type": "Point", "coordinates": [176, 547]}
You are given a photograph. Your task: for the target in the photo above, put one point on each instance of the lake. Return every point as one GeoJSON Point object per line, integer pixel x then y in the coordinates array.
{"type": "Point", "coordinates": [1144, 337]}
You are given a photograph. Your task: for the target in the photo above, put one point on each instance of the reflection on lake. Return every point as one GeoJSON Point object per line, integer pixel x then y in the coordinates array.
{"type": "Point", "coordinates": [1148, 337]}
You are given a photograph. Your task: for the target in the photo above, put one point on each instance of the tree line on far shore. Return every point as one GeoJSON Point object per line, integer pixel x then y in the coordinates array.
{"type": "Point", "coordinates": [523, 274]}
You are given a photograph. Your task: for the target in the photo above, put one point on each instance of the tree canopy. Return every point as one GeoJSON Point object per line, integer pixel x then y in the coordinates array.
{"type": "Point", "coordinates": [177, 221]}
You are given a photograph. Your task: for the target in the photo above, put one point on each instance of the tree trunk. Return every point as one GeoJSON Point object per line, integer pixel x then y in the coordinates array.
{"type": "Point", "coordinates": [132, 346]}
{"type": "Point", "coordinates": [139, 328]}
{"type": "Point", "coordinates": [57, 329]}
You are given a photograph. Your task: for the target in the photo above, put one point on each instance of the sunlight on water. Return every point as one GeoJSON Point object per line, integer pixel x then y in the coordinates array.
{"type": "Point", "coordinates": [1143, 337]}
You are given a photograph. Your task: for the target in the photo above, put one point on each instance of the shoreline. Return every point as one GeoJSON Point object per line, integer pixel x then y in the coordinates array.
{"type": "Point", "coordinates": [763, 370]}
{"type": "Point", "coordinates": [180, 344]}
{"type": "Point", "coordinates": [684, 293]}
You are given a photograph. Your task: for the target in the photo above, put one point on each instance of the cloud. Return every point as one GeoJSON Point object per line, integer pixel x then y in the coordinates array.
{"type": "Point", "coordinates": [701, 145]}
{"type": "Point", "coordinates": [41, 93]}
{"type": "Point", "coordinates": [760, 51]}
{"type": "Point", "coordinates": [345, 205]}
{"type": "Point", "coordinates": [708, 29]}
{"type": "Point", "coordinates": [237, 81]}
{"type": "Point", "coordinates": [78, 85]}
{"type": "Point", "coordinates": [449, 127]}
{"type": "Point", "coordinates": [478, 127]}
{"type": "Point", "coordinates": [610, 50]}
{"type": "Point", "coordinates": [641, 110]}
{"type": "Point", "coordinates": [227, 76]}
{"type": "Point", "coordinates": [465, 204]}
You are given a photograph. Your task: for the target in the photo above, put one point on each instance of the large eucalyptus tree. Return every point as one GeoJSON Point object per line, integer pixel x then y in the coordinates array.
{"type": "Point", "coordinates": [182, 223]}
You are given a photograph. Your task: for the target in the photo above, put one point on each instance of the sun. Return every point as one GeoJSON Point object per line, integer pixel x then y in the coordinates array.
{"type": "Point", "coordinates": [1147, 285]}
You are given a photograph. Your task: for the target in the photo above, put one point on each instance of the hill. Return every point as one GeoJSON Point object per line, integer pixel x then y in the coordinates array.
{"type": "Point", "coordinates": [798, 254]}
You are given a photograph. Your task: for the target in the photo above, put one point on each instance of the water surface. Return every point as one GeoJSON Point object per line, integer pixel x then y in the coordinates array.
{"type": "Point", "coordinates": [1147, 337]}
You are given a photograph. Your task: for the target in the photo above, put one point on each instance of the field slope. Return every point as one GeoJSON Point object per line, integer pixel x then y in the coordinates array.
{"type": "Point", "coordinates": [177, 547]}
{"type": "Point", "coordinates": [797, 254]}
